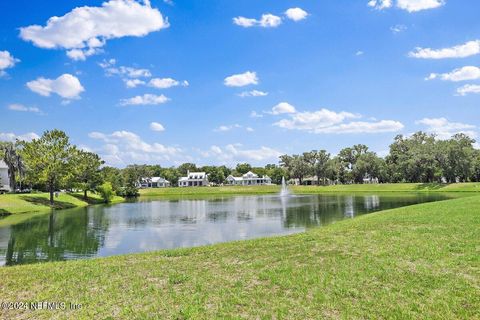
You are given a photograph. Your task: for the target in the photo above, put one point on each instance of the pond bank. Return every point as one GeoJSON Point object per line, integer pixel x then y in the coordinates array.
{"type": "Point", "coordinates": [239, 190]}
{"type": "Point", "coordinates": [39, 202]}
{"type": "Point", "coordinates": [419, 261]}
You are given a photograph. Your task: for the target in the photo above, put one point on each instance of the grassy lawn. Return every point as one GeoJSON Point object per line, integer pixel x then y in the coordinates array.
{"type": "Point", "coordinates": [39, 202]}
{"type": "Point", "coordinates": [417, 262]}
{"type": "Point", "coordinates": [388, 187]}
{"type": "Point", "coordinates": [209, 190]}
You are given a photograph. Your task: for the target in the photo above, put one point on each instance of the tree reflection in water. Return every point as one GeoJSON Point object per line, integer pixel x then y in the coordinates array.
{"type": "Point", "coordinates": [61, 236]}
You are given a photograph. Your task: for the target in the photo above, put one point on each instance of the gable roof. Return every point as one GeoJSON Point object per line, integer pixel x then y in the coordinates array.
{"type": "Point", "coordinates": [199, 175]}
{"type": "Point", "coordinates": [230, 177]}
{"type": "Point", "coordinates": [154, 179]}
{"type": "Point", "coordinates": [250, 174]}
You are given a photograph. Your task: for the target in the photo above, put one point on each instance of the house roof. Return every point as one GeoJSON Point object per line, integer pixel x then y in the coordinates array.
{"type": "Point", "coordinates": [245, 176]}
{"type": "Point", "coordinates": [200, 175]}
{"type": "Point", "coordinates": [230, 177]}
{"type": "Point", "coordinates": [3, 165]}
{"type": "Point", "coordinates": [154, 179]}
{"type": "Point", "coordinates": [250, 174]}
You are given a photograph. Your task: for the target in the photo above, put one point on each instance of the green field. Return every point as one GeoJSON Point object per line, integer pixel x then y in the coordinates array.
{"type": "Point", "coordinates": [175, 191]}
{"type": "Point", "coordinates": [388, 187]}
{"type": "Point", "coordinates": [417, 262]}
{"type": "Point", "coordinates": [39, 202]}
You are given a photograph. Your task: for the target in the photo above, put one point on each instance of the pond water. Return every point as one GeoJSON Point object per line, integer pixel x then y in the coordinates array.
{"type": "Point", "coordinates": [153, 224]}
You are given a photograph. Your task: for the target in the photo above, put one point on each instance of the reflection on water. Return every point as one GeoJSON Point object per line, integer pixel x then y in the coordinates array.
{"type": "Point", "coordinates": [157, 224]}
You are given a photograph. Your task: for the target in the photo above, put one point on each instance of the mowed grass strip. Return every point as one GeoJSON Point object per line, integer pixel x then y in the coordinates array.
{"type": "Point", "coordinates": [417, 262]}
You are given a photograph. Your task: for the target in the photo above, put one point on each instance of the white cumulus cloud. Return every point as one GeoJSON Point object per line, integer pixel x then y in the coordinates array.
{"type": "Point", "coordinates": [155, 126]}
{"type": "Point", "coordinates": [380, 4]}
{"type": "Point", "coordinates": [468, 88]}
{"type": "Point", "coordinates": [267, 20]}
{"type": "Point", "coordinates": [241, 80]}
{"type": "Point", "coordinates": [111, 69]}
{"type": "Point", "coordinates": [460, 74]}
{"type": "Point", "coordinates": [84, 30]}
{"type": "Point", "coordinates": [418, 5]}
{"type": "Point", "coordinates": [467, 49]}
{"type": "Point", "coordinates": [283, 107]}
{"type": "Point", "coordinates": [133, 83]}
{"type": "Point", "coordinates": [12, 137]}
{"type": "Point", "coordinates": [6, 61]}
{"type": "Point", "coordinates": [125, 147]}
{"type": "Point", "coordinates": [165, 83]}
{"type": "Point", "coordinates": [408, 5]}
{"type": "Point", "coordinates": [66, 86]}
{"type": "Point", "coordinates": [296, 14]}
{"type": "Point", "coordinates": [134, 77]}
{"type": "Point", "coordinates": [146, 99]}
{"type": "Point", "coordinates": [327, 121]}
{"type": "Point", "coordinates": [445, 129]}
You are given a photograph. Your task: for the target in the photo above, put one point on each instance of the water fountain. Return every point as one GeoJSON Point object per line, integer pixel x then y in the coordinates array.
{"type": "Point", "coordinates": [284, 192]}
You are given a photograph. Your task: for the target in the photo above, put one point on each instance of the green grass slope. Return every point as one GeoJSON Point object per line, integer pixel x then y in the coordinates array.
{"type": "Point", "coordinates": [39, 202]}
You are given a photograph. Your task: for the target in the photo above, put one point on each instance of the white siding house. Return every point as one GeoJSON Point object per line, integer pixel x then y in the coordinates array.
{"type": "Point", "coordinates": [194, 179]}
{"type": "Point", "coordinates": [4, 179]}
{"type": "Point", "coordinates": [154, 182]}
{"type": "Point", "coordinates": [248, 179]}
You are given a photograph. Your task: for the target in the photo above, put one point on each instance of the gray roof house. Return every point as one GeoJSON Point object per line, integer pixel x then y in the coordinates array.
{"type": "Point", "coordinates": [194, 179]}
{"type": "Point", "coordinates": [154, 182]}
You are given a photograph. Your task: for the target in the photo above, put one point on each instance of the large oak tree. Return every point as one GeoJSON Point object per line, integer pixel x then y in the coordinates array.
{"type": "Point", "coordinates": [49, 159]}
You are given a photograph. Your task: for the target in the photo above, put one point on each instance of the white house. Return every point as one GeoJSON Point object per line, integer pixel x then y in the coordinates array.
{"type": "Point", "coordinates": [154, 182]}
{"type": "Point", "coordinates": [4, 179]}
{"type": "Point", "coordinates": [194, 179]}
{"type": "Point", "coordinates": [248, 179]}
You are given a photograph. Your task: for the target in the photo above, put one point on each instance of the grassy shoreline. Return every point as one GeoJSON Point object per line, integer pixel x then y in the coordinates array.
{"type": "Point", "coordinates": [413, 262]}
{"type": "Point", "coordinates": [388, 187]}
{"type": "Point", "coordinates": [13, 204]}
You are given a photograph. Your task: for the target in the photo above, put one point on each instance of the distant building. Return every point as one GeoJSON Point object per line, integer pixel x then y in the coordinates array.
{"type": "Point", "coordinates": [248, 179]}
{"type": "Point", "coordinates": [370, 180]}
{"type": "Point", "coordinates": [194, 179]}
{"type": "Point", "coordinates": [4, 178]}
{"type": "Point", "coordinates": [154, 182]}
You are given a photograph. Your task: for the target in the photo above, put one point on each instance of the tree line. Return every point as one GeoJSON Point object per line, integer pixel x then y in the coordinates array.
{"type": "Point", "coordinates": [51, 162]}
{"type": "Point", "coordinates": [420, 157]}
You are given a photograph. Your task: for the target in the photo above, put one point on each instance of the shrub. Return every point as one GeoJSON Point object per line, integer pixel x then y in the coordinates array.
{"type": "Point", "coordinates": [106, 192]}
{"type": "Point", "coordinates": [128, 192]}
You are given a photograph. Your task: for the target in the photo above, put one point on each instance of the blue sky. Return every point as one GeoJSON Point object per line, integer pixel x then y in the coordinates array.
{"type": "Point", "coordinates": [213, 82]}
